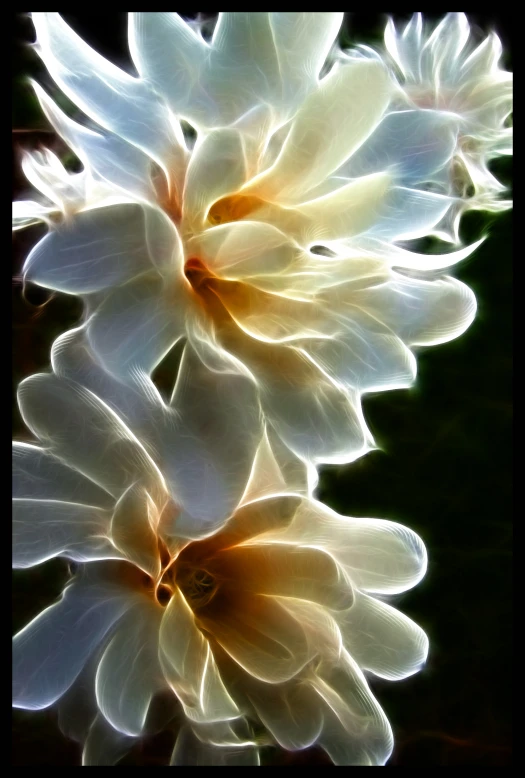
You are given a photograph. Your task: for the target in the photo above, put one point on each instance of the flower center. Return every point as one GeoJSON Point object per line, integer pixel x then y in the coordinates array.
{"type": "Point", "coordinates": [197, 274]}
{"type": "Point", "coordinates": [197, 585]}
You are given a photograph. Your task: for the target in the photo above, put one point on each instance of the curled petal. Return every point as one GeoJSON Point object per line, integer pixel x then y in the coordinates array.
{"type": "Point", "coordinates": [217, 167]}
{"type": "Point", "coordinates": [259, 634]}
{"type": "Point", "coordinates": [208, 449]}
{"type": "Point", "coordinates": [132, 530]}
{"type": "Point", "coordinates": [291, 712]}
{"type": "Point", "coordinates": [286, 571]}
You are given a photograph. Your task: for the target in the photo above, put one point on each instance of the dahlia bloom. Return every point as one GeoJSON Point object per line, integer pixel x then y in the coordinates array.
{"type": "Point", "coordinates": [442, 70]}
{"type": "Point", "coordinates": [260, 632]}
{"type": "Point", "coordinates": [271, 240]}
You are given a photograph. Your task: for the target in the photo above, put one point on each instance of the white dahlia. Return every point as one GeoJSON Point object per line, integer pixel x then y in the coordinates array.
{"type": "Point", "coordinates": [269, 242]}
{"type": "Point", "coordinates": [259, 634]}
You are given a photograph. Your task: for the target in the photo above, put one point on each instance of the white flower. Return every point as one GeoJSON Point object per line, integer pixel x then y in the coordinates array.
{"type": "Point", "coordinates": [260, 631]}
{"type": "Point", "coordinates": [442, 70]}
{"type": "Point", "coordinates": [270, 244]}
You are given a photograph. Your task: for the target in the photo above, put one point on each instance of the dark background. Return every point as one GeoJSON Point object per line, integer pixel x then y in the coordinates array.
{"type": "Point", "coordinates": [444, 470]}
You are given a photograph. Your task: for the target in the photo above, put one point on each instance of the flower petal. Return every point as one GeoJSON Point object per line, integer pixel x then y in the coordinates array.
{"type": "Point", "coordinates": [291, 712]}
{"type": "Point", "coordinates": [303, 41]}
{"type": "Point", "coordinates": [50, 652]}
{"type": "Point", "coordinates": [420, 312]}
{"type": "Point", "coordinates": [122, 104]}
{"type": "Point", "coordinates": [129, 672]}
{"type": "Point", "coordinates": [171, 56]}
{"type": "Point", "coordinates": [365, 360]}
{"type": "Point", "coordinates": [190, 751]}
{"type": "Point", "coordinates": [406, 214]}
{"type": "Point", "coordinates": [356, 731]}
{"type": "Point", "coordinates": [314, 417]}
{"type": "Point", "coordinates": [43, 529]}
{"type": "Point", "coordinates": [207, 450]}
{"type": "Point", "coordinates": [28, 212]}
{"type": "Point", "coordinates": [258, 633]}
{"type": "Point", "coordinates": [98, 249]}
{"type": "Point", "coordinates": [136, 401]}
{"type": "Point", "coordinates": [329, 126]}
{"type": "Point", "coordinates": [244, 248]}
{"type": "Point", "coordinates": [104, 745]}
{"type": "Point", "coordinates": [132, 530]}
{"type": "Point", "coordinates": [83, 431]}
{"type": "Point", "coordinates": [217, 167]}
{"type": "Point", "coordinates": [113, 159]}
{"type": "Point", "coordinates": [244, 68]}
{"type": "Point", "coordinates": [283, 570]}
{"type": "Point", "coordinates": [210, 85]}
{"type": "Point", "coordinates": [189, 666]}
{"type": "Point", "coordinates": [413, 146]}
{"type": "Point", "coordinates": [379, 556]}
{"type": "Point", "coordinates": [135, 327]}
{"type": "Point", "coordinates": [383, 640]}
{"type": "Point", "coordinates": [38, 475]}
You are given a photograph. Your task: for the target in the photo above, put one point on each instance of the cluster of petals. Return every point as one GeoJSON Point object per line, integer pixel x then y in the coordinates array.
{"type": "Point", "coordinates": [459, 82]}
{"type": "Point", "coordinates": [252, 191]}
{"type": "Point", "coordinates": [273, 241]}
{"type": "Point", "coordinates": [260, 631]}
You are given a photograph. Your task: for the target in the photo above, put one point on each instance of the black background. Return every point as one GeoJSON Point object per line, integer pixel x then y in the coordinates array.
{"type": "Point", "coordinates": [443, 469]}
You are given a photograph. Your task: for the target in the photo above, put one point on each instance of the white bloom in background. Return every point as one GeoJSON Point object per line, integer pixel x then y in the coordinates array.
{"type": "Point", "coordinates": [442, 70]}
{"type": "Point", "coordinates": [270, 244]}
{"type": "Point", "coordinates": [261, 631]}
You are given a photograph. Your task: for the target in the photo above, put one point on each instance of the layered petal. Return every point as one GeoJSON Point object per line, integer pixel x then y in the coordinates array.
{"type": "Point", "coordinates": [43, 529]}
{"type": "Point", "coordinates": [317, 144]}
{"type": "Point", "coordinates": [258, 633]}
{"type": "Point", "coordinates": [129, 673]}
{"type": "Point", "coordinates": [38, 475]}
{"type": "Point", "coordinates": [189, 666]}
{"type": "Point", "coordinates": [190, 751]}
{"type": "Point", "coordinates": [383, 640]}
{"type": "Point", "coordinates": [275, 569]}
{"type": "Point", "coordinates": [379, 556]}
{"type": "Point", "coordinates": [106, 155]}
{"type": "Point", "coordinates": [104, 745]}
{"type": "Point", "coordinates": [355, 729]}
{"type": "Point", "coordinates": [50, 652]}
{"type": "Point", "coordinates": [208, 448]}
{"type": "Point", "coordinates": [101, 248]}
{"type": "Point", "coordinates": [82, 430]}
{"type": "Point", "coordinates": [122, 104]}
{"type": "Point", "coordinates": [136, 325]}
